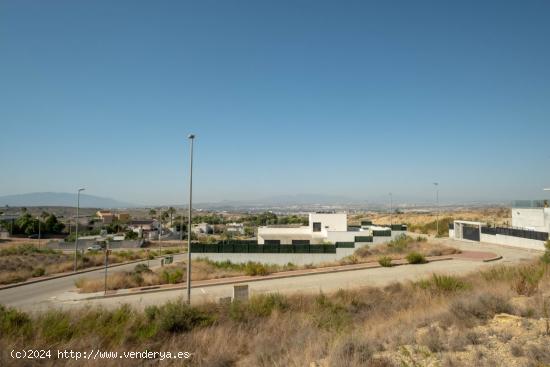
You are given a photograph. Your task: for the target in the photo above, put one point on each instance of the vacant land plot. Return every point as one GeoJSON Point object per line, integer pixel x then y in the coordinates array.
{"type": "Point", "coordinates": [500, 313]}
{"type": "Point", "coordinates": [23, 261]}
{"type": "Point", "coordinates": [203, 269]}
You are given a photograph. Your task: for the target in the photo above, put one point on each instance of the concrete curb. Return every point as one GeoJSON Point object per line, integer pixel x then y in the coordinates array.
{"type": "Point", "coordinates": [212, 282]}
{"type": "Point", "coordinates": [64, 275]}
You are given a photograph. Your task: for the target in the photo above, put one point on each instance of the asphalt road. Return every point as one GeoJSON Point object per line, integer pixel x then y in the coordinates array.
{"type": "Point", "coordinates": [38, 294]}
{"type": "Point", "coordinates": [55, 293]}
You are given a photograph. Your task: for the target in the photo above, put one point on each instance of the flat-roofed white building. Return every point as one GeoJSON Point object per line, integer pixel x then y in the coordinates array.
{"type": "Point", "coordinates": [322, 228]}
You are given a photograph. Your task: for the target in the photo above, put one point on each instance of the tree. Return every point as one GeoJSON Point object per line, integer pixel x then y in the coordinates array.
{"type": "Point", "coordinates": [152, 213]}
{"type": "Point", "coordinates": [171, 211]}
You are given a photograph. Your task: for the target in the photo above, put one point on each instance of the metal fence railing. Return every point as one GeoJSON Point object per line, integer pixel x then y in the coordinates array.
{"type": "Point", "coordinates": [515, 232]}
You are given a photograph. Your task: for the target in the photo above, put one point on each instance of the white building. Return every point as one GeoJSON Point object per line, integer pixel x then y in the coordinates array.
{"type": "Point", "coordinates": [322, 228]}
{"type": "Point", "coordinates": [530, 227]}
{"type": "Point", "coordinates": [235, 228]}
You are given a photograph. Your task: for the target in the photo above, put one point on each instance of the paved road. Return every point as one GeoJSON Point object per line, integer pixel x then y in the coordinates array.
{"type": "Point", "coordinates": [51, 293]}
{"type": "Point", "coordinates": [35, 294]}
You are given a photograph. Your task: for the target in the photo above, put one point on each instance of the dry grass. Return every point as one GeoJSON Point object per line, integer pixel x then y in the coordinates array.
{"type": "Point", "coordinates": [23, 261]}
{"type": "Point", "coordinates": [453, 321]}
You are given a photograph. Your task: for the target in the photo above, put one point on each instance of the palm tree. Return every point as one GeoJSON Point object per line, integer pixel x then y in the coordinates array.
{"type": "Point", "coordinates": [171, 211]}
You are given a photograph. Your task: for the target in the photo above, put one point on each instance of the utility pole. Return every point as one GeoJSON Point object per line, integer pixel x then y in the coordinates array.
{"type": "Point", "coordinates": [107, 250]}
{"type": "Point", "coordinates": [436, 184]}
{"type": "Point", "coordinates": [77, 218]}
{"type": "Point", "coordinates": [191, 138]}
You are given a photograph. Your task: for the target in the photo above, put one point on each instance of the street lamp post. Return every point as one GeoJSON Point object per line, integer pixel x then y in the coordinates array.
{"type": "Point", "coordinates": [391, 209]}
{"type": "Point", "coordinates": [436, 184]}
{"type": "Point", "coordinates": [76, 229]}
{"type": "Point", "coordinates": [39, 232]}
{"type": "Point", "coordinates": [191, 138]}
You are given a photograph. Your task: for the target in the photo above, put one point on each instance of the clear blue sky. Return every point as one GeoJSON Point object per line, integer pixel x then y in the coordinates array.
{"type": "Point", "coordinates": [352, 98]}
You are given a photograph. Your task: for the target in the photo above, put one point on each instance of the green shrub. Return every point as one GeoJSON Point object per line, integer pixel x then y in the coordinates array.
{"type": "Point", "coordinates": [38, 272]}
{"type": "Point", "coordinates": [528, 278]}
{"type": "Point", "coordinates": [416, 258]}
{"type": "Point", "coordinates": [385, 261]}
{"type": "Point", "coordinates": [172, 276]}
{"type": "Point", "coordinates": [443, 283]}
{"type": "Point", "coordinates": [329, 315]}
{"type": "Point", "coordinates": [14, 322]}
{"type": "Point", "coordinates": [265, 304]}
{"type": "Point", "coordinates": [175, 317]}
{"type": "Point", "coordinates": [141, 268]}
{"type": "Point", "coordinates": [56, 326]}
{"type": "Point", "coordinates": [545, 258]}
{"type": "Point", "coordinates": [254, 268]}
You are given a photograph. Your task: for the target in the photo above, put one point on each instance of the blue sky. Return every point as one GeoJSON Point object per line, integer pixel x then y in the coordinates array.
{"type": "Point", "coordinates": [351, 98]}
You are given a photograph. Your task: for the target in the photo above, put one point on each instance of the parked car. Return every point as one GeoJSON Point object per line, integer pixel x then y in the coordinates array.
{"type": "Point", "coordinates": [95, 248]}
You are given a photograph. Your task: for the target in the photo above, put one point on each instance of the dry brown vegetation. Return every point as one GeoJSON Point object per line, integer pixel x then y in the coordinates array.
{"type": "Point", "coordinates": [399, 248]}
{"type": "Point", "coordinates": [204, 269]}
{"type": "Point", "coordinates": [498, 314]}
{"type": "Point", "coordinates": [23, 261]}
{"type": "Point", "coordinates": [488, 215]}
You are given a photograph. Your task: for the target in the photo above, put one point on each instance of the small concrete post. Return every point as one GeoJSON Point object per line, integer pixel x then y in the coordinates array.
{"type": "Point", "coordinates": [240, 292]}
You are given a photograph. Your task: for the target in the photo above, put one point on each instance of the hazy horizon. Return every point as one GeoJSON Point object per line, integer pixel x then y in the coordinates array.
{"type": "Point", "coordinates": [347, 99]}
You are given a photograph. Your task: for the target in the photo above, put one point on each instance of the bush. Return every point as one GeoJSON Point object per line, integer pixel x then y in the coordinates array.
{"type": "Point", "coordinates": [13, 321]}
{"type": "Point", "coordinates": [528, 280]}
{"type": "Point", "coordinates": [416, 258]}
{"type": "Point", "coordinates": [264, 305]}
{"type": "Point", "coordinates": [254, 268]}
{"type": "Point", "coordinates": [443, 283]}
{"type": "Point", "coordinates": [38, 272]}
{"type": "Point", "coordinates": [480, 306]}
{"type": "Point", "coordinates": [177, 317]}
{"type": "Point", "coordinates": [385, 261]}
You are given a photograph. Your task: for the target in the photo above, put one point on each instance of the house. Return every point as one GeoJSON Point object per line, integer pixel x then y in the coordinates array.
{"type": "Point", "coordinates": [530, 227]}
{"type": "Point", "coordinates": [105, 216]}
{"type": "Point", "coordinates": [235, 228]}
{"type": "Point", "coordinates": [202, 228]}
{"type": "Point", "coordinates": [143, 227]}
{"type": "Point", "coordinates": [122, 217]}
{"type": "Point", "coordinates": [322, 228]}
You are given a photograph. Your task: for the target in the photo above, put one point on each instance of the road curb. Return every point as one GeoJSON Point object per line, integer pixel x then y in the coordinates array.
{"type": "Point", "coordinates": [64, 275]}
{"type": "Point", "coordinates": [256, 279]}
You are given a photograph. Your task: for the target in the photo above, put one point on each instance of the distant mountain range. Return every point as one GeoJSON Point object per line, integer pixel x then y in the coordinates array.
{"type": "Point", "coordinates": [61, 199]}
{"type": "Point", "coordinates": [309, 201]}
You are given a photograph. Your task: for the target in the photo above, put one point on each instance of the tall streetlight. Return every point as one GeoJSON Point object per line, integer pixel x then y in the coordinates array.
{"type": "Point", "coordinates": [76, 233]}
{"type": "Point", "coordinates": [191, 138]}
{"type": "Point", "coordinates": [391, 208]}
{"type": "Point", "coordinates": [436, 184]}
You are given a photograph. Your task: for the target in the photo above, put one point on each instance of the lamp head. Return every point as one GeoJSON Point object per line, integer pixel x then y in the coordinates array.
{"type": "Point", "coordinates": [191, 136]}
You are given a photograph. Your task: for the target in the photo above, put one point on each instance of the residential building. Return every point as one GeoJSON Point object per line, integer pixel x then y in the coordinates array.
{"type": "Point", "coordinates": [202, 228]}
{"type": "Point", "coordinates": [322, 228]}
{"type": "Point", "coordinates": [105, 216]}
{"type": "Point", "coordinates": [530, 227]}
{"type": "Point", "coordinates": [235, 228]}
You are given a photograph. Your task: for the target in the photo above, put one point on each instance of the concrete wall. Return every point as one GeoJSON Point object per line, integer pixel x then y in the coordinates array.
{"type": "Point", "coordinates": [536, 219]}
{"type": "Point", "coordinates": [451, 233]}
{"type": "Point", "coordinates": [512, 241]}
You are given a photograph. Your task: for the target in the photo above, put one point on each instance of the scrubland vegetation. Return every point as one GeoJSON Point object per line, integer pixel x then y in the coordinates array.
{"type": "Point", "coordinates": [482, 319]}
{"type": "Point", "coordinates": [414, 250]}
{"type": "Point", "coordinates": [21, 262]}
{"type": "Point", "coordinates": [203, 269]}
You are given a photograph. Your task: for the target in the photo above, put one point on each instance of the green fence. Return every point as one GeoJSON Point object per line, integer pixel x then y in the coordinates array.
{"type": "Point", "coordinates": [266, 249]}
{"type": "Point", "coordinates": [363, 238]}
{"type": "Point", "coordinates": [345, 244]}
{"type": "Point", "coordinates": [381, 233]}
